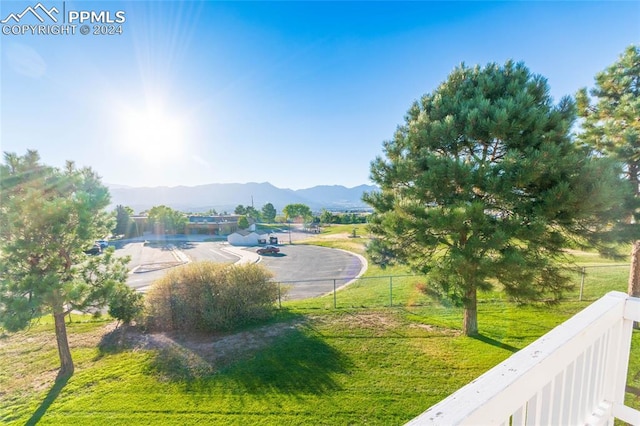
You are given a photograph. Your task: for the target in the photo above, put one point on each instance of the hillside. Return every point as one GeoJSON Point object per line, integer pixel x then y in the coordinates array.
{"type": "Point", "coordinates": [226, 196]}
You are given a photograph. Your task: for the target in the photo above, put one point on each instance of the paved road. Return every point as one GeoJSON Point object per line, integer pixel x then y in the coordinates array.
{"type": "Point", "coordinates": [310, 271]}
{"type": "Point", "coordinates": [307, 270]}
{"type": "Point", "coordinates": [216, 252]}
{"type": "Point", "coordinates": [148, 262]}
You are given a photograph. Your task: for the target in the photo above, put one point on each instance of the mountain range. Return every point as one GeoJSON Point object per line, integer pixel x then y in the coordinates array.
{"type": "Point", "coordinates": [226, 196]}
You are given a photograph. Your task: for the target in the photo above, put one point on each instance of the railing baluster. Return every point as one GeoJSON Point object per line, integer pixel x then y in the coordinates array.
{"type": "Point", "coordinates": [545, 405]}
{"type": "Point", "coordinates": [518, 417]}
{"type": "Point", "coordinates": [557, 398]}
{"type": "Point", "coordinates": [568, 393]}
{"type": "Point", "coordinates": [586, 382]}
{"type": "Point", "coordinates": [574, 374]}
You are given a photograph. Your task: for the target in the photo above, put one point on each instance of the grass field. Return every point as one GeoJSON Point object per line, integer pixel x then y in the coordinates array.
{"type": "Point", "coordinates": [311, 365]}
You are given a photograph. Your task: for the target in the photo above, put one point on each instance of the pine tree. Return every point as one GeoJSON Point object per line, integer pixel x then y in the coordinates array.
{"type": "Point", "coordinates": [269, 213]}
{"type": "Point", "coordinates": [612, 127]}
{"type": "Point", "coordinates": [48, 217]}
{"type": "Point", "coordinates": [123, 219]}
{"type": "Point", "coordinates": [483, 185]}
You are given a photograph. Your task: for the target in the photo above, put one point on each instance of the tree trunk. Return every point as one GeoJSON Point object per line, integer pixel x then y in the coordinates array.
{"type": "Point", "coordinates": [470, 320]}
{"type": "Point", "coordinates": [66, 363]}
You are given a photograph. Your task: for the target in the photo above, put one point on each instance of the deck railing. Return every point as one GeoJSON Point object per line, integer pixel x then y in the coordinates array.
{"type": "Point", "coordinates": [574, 375]}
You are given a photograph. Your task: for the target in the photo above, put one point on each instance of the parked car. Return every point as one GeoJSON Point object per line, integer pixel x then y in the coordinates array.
{"type": "Point", "coordinates": [268, 250]}
{"type": "Point", "coordinates": [96, 249]}
{"type": "Point", "coordinates": [103, 244]}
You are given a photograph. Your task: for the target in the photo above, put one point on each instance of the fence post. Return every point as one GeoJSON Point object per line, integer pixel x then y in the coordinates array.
{"type": "Point", "coordinates": [582, 282]}
{"type": "Point", "coordinates": [390, 290]}
{"type": "Point", "coordinates": [335, 304]}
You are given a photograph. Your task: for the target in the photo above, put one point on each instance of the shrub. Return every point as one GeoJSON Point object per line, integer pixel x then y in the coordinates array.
{"type": "Point", "coordinates": [207, 296]}
{"type": "Point", "coordinates": [125, 304]}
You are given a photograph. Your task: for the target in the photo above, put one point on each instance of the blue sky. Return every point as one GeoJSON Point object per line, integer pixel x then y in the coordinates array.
{"type": "Point", "coordinates": [294, 93]}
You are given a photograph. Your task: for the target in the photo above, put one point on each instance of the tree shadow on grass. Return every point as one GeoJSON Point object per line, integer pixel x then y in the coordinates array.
{"type": "Point", "coordinates": [120, 339]}
{"type": "Point", "coordinates": [494, 342]}
{"type": "Point", "coordinates": [296, 362]}
{"type": "Point", "coordinates": [301, 363]}
{"type": "Point", "coordinates": [60, 383]}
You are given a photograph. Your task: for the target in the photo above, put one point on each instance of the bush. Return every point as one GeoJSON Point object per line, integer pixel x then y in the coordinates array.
{"type": "Point", "coordinates": [125, 304]}
{"type": "Point", "coordinates": [207, 296]}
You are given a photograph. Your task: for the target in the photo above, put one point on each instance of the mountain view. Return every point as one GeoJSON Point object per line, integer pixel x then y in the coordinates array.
{"type": "Point", "coordinates": [226, 196]}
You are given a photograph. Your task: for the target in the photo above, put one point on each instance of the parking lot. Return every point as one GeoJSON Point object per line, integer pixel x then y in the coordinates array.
{"type": "Point", "coordinates": [306, 270]}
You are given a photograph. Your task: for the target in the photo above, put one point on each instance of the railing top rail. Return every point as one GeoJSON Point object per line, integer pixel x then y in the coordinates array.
{"type": "Point", "coordinates": [480, 397]}
{"type": "Point", "coordinates": [632, 309]}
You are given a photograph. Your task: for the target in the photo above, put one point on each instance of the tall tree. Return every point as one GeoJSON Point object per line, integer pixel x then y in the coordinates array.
{"type": "Point", "coordinates": [611, 126]}
{"type": "Point", "coordinates": [123, 220]}
{"type": "Point", "coordinates": [253, 213]}
{"type": "Point", "coordinates": [47, 218]}
{"type": "Point", "coordinates": [326, 216]}
{"type": "Point", "coordinates": [240, 209]}
{"type": "Point", "coordinates": [292, 211]}
{"type": "Point", "coordinates": [163, 219]}
{"type": "Point", "coordinates": [482, 184]}
{"type": "Point", "coordinates": [269, 213]}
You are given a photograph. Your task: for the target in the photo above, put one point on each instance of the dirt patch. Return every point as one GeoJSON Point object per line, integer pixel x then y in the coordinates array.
{"type": "Point", "coordinates": [342, 236]}
{"type": "Point", "coordinates": [364, 320]}
{"type": "Point", "coordinates": [438, 330]}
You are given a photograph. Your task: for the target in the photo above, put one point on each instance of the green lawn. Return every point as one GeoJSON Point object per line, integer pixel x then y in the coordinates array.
{"type": "Point", "coordinates": [351, 365]}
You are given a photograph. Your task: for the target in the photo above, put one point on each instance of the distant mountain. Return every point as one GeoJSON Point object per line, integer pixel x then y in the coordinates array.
{"type": "Point", "coordinates": [226, 196]}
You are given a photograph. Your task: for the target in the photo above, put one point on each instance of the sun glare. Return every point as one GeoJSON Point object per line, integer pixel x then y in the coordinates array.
{"type": "Point", "coordinates": [153, 133]}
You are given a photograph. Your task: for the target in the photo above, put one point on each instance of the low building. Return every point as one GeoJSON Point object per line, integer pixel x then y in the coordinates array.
{"type": "Point", "coordinates": [247, 238]}
{"type": "Point", "coordinates": [212, 225]}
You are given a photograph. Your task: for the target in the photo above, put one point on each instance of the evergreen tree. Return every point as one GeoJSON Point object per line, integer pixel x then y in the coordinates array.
{"type": "Point", "coordinates": [611, 126]}
{"type": "Point", "coordinates": [251, 212]}
{"type": "Point", "coordinates": [269, 213]}
{"type": "Point", "coordinates": [482, 184]}
{"type": "Point", "coordinates": [48, 217]}
{"type": "Point", "coordinates": [123, 219]}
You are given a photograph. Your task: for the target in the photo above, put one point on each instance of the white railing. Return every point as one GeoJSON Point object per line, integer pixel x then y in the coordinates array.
{"type": "Point", "coordinates": [574, 375]}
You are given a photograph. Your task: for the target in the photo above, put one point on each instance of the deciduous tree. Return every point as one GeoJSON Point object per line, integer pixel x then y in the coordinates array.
{"type": "Point", "coordinates": [326, 216]}
{"type": "Point", "coordinates": [483, 184]}
{"type": "Point", "coordinates": [48, 217]}
{"type": "Point", "coordinates": [165, 220]}
{"type": "Point", "coordinates": [292, 211]}
{"type": "Point", "coordinates": [243, 223]}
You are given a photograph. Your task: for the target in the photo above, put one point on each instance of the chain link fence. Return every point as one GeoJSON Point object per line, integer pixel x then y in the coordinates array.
{"type": "Point", "coordinates": [593, 282]}
{"type": "Point", "coordinates": [589, 283]}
